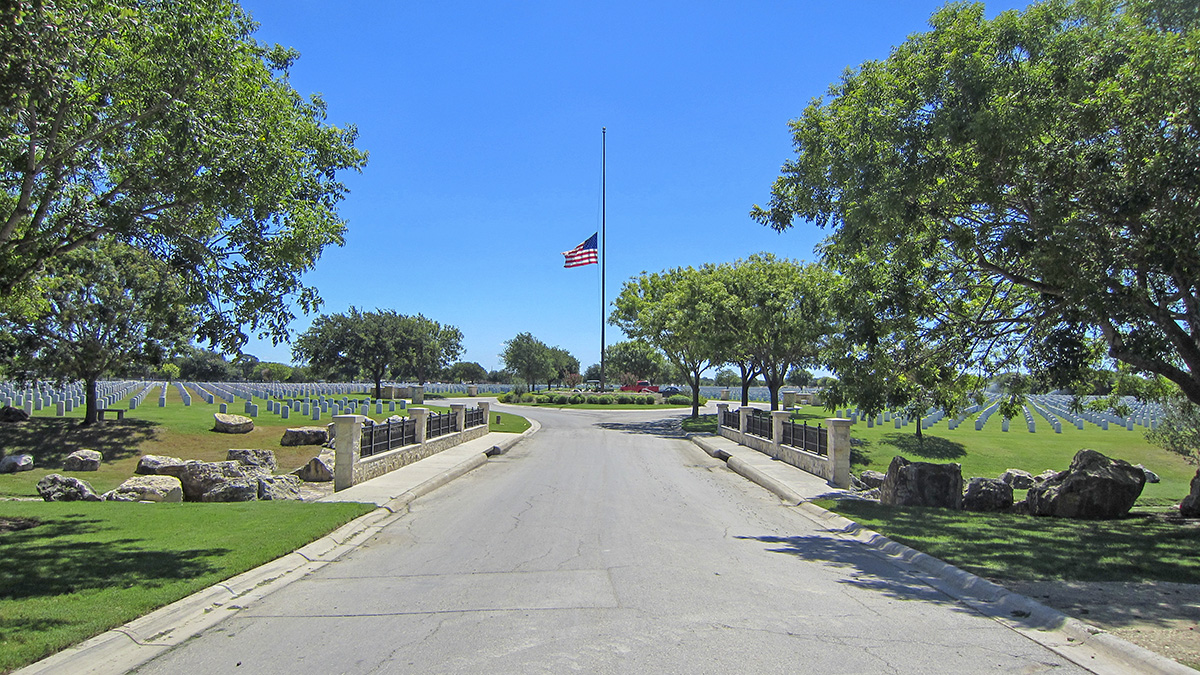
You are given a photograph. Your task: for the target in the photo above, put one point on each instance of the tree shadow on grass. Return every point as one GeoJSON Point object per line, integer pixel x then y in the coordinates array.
{"type": "Point", "coordinates": [61, 556]}
{"type": "Point", "coordinates": [928, 447]}
{"type": "Point", "coordinates": [51, 439]}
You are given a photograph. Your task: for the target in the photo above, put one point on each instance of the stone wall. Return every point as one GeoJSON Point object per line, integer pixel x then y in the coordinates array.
{"type": "Point", "coordinates": [834, 468]}
{"type": "Point", "coordinates": [386, 462]}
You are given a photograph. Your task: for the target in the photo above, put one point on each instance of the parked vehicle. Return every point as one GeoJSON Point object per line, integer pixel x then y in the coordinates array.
{"type": "Point", "coordinates": [670, 390]}
{"type": "Point", "coordinates": [641, 387]}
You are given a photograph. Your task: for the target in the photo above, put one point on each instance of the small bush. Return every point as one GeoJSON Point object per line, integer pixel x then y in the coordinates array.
{"type": "Point", "coordinates": [505, 398]}
{"type": "Point", "coordinates": [592, 398]}
{"type": "Point", "coordinates": [605, 400]}
{"type": "Point", "coordinates": [545, 399]}
{"type": "Point", "coordinates": [624, 399]}
{"type": "Point", "coordinates": [526, 398]}
{"type": "Point", "coordinates": [560, 399]}
{"type": "Point", "coordinates": [576, 399]}
{"type": "Point", "coordinates": [680, 399]}
{"type": "Point", "coordinates": [645, 400]}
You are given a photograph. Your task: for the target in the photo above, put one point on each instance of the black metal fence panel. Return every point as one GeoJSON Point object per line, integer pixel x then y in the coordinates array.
{"type": "Point", "coordinates": [813, 439]}
{"type": "Point", "coordinates": [440, 425]}
{"type": "Point", "coordinates": [731, 419]}
{"type": "Point", "coordinates": [475, 417]}
{"type": "Point", "coordinates": [384, 436]}
{"type": "Point", "coordinates": [759, 424]}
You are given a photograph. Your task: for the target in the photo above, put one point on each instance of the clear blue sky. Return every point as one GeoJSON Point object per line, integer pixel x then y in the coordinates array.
{"type": "Point", "coordinates": [483, 121]}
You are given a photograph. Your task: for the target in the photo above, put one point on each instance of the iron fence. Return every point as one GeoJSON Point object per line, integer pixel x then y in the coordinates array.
{"type": "Point", "coordinates": [731, 419]}
{"type": "Point", "coordinates": [475, 417]}
{"type": "Point", "coordinates": [440, 425]}
{"type": "Point", "coordinates": [384, 436]}
{"type": "Point", "coordinates": [812, 439]}
{"type": "Point", "coordinates": [759, 423]}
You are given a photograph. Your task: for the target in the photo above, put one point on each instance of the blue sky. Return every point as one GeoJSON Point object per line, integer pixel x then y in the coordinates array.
{"type": "Point", "coordinates": [483, 123]}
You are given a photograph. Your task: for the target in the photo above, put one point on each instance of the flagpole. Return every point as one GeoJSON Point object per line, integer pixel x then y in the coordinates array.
{"type": "Point", "coordinates": [603, 250]}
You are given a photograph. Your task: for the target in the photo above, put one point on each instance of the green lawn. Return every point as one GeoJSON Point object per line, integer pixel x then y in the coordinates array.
{"type": "Point", "coordinates": [83, 568]}
{"type": "Point", "coordinates": [1007, 546]}
{"type": "Point", "coordinates": [991, 451]}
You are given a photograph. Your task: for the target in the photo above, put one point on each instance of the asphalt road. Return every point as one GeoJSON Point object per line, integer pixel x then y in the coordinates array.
{"type": "Point", "coordinates": [607, 543]}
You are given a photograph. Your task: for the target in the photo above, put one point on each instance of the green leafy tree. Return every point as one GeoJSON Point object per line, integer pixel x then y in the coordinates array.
{"type": "Point", "coordinates": [270, 371]}
{"type": "Point", "coordinates": [466, 371]}
{"type": "Point", "coordinates": [799, 377]}
{"type": "Point", "coordinates": [637, 357]}
{"type": "Point", "coordinates": [528, 358]}
{"type": "Point", "coordinates": [169, 371]}
{"type": "Point", "coordinates": [426, 347]}
{"type": "Point", "coordinates": [1030, 179]}
{"type": "Point", "coordinates": [675, 311]}
{"type": "Point", "coordinates": [343, 345]}
{"type": "Point", "coordinates": [201, 365]}
{"type": "Point", "coordinates": [727, 378]}
{"type": "Point", "coordinates": [167, 126]}
{"type": "Point", "coordinates": [592, 372]}
{"type": "Point", "coordinates": [110, 308]}
{"type": "Point", "coordinates": [562, 364]}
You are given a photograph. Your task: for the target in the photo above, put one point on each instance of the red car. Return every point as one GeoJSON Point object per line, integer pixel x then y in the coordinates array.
{"type": "Point", "coordinates": [642, 387]}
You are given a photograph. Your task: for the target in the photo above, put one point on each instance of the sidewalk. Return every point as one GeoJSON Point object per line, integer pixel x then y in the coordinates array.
{"type": "Point", "coordinates": [126, 647]}
{"type": "Point", "coordinates": [1084, 644]}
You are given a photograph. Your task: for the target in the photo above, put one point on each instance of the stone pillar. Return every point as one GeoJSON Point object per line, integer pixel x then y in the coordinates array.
{"type": "Point", "coordinates": [743, 423]}
{"type": "Point", "coordinates": [472, 390]}
{"type": "Point", "coordinates": [724, 394]}
{"type": "Point", "coordinates": [839, 451]}
{"type": "Point", "coordinates": [722, 408]}
{"type": "Point", "coordinates": [419, 416]}
{"type": "Point", "coordinates": [778, 417]}
{"type": "Point", "coordinates": [460, 415]}
{"type": "Point", "coordinates": [347, 446]}
{"type": "Point", "coordinates": [486, 407]}
{"type": "Point", "coordinates": [418, 395]}
{"type": "Point", "coordinates": [789, 398]}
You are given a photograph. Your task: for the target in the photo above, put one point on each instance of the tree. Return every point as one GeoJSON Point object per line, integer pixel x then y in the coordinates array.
{"type": "Point", "coordinates": [1179, 430]}
{"type": "Point", "coordinates": [528, 358]}
{"type": "Point", "coordinates": [727, 378]}
{"type": "Point", "coordinates": [270, 371]}
{"type": "Point", "coordinates": [201, 365]}
{"type": "Point", "coordinates": [778, 315]}
{"type": "Point", "coordinates": [675, 311]}
{"type": "Point", "coordinates": [573, 380]}
{"type": "Point", "coordinates": [1032, 180]}
{"type": "Point", "coordinates": [499, 377]}
{"type": "Point", "coordinates": [426, 347]}
{"type": "Point", "coordinates": [169, 371]}
{"type": "Point", "coordinates": [110, 308]}
{"type": "Point", "coordinates": [799, 377]}
{"type": "Point", "coordinates": [344, 345]}
{"type": "Point", "coordinates": [167, 126]}
{"type": "Point", "coordinates": [561, 364]}
{"type": "Point", "coordinates": [636, 357]}
{"type": "Point", "coordinates": [592, 373]}
{"type": "Point", "coordinates": [466, 371]}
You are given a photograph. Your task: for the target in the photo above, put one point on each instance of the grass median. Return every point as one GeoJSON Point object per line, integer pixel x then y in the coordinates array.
{"type": "Point", "coordinates": [74, 570]}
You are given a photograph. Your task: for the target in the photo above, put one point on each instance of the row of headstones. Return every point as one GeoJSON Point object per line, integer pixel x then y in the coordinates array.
{"type": "Point", "coordinates": [316, 408]}
{"type": "Point", "coordinates": [1057, 406]}
{"type": "Point", "coordinates": [64, 399]}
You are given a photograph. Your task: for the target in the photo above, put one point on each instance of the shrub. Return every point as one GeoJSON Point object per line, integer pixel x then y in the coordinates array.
{"type": "Point", "coordinates": [545, 399]}
{"type": "Point", "coordinates": [560, 399]}
{"type": "Point", "coordinates": [526, 398]}
{"type": "Point", "coordinates": [680, 399]}
{"type": "Point", "coordinates": [605, 400]}
{"type": "Point", "coordinates": [592, 398]}
{"type": "Point", "coordinates": [505, 398]}
{"type": "Point", "coordinates": [623, 399]}
{"type": "Point", "coordinates": [645, 400]}
{"type": "Point", "coordinates": [576, 399]}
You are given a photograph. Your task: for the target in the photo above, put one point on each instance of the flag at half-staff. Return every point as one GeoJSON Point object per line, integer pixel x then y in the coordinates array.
{"type": "Point", "coordinates": [587, 253]}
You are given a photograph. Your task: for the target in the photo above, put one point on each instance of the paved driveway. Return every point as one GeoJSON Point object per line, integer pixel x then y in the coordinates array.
{"type": "Point", "coordinates": [607, 543]}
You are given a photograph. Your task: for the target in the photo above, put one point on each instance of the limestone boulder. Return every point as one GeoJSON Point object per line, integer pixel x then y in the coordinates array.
{"type": "Point", "coordinates": [160, 465]}
{"type": "Point", "coordinates": [232, 424]}
{"type": "Point", "coordinates": [198, 478]}
{"type": "Point", "coordinates": [240, 490]}
{"type": "Point", "coordinates": [10, 414]}
{"type": "Point", "coordinates": [83, 460]}
{"type": "Point", "coordinates": [1151, 477]}
{"type": "Point", "coordinates": [167, 489]}
{"type": "Point", "coordinates": [316, 471]}
{"type": "Point", "coordinates": [1093, 487]}
{"type": "Point", "coordinates": [56, 487]}
{"type": "Point", "coordinates": [262, 461]}
{"type": "Point", "coordinates": [16, 463]}
{"type": "Point", "coordinates": [278, 487]}
{"type": "Point", "coordinates": [872, 479]}
{"type": "Point", "coordinates": [1017, 479]}
{"type": "Point", "coordinates": [304, 436]}
{"type": "Point", "coordinates": [1190, 506]}
{"type": "Point", "coordinates": [922, 484]}
{"type": "Point", "coordinates": [988, 494]}
{"type": "Point", "coordinates": [1048, 474]}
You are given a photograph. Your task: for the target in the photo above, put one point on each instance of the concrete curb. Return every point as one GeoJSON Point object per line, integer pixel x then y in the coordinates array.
{"type": "Point", "coordinates": [131, 645]}
{"type": "Point", "coordinates": [1083, 644]}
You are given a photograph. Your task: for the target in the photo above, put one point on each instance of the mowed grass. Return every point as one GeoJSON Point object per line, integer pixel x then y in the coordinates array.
{"type": "Point", "coordinates": [175, 430]}
{"type": "Point", "coordinates": [1015, 547]}
{"type": "Point", "coordinates": [990, 452]}
{"type": "Point", "coordinates": [83, 568]}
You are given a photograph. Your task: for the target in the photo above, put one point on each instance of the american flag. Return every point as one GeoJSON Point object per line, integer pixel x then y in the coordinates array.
{"type": "Point", "coordinates": [586, 253]}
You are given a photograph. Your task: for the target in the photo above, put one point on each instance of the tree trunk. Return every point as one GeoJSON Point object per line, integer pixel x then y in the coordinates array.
{"type": "Point", "coordinates": [748, 373]}
{"type": "Point", "coordinates": [92, 414]}
{"type": "Point", "coordinates": [695, 377]}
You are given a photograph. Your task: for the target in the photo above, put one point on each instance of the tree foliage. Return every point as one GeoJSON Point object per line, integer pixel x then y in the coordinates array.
{"type": "Point", "coordinates": [1020, 192]}
{"type": "Point", "coordinates": [166, 126]}
{"type": "Point", "coordinates": [638, 358]}
{"type": "Point", "coordinates": [111, 309]}
{"type": "Point", "coordinates": [528, 358]}
{"type": "Point", "coordinates": [466, 371]}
